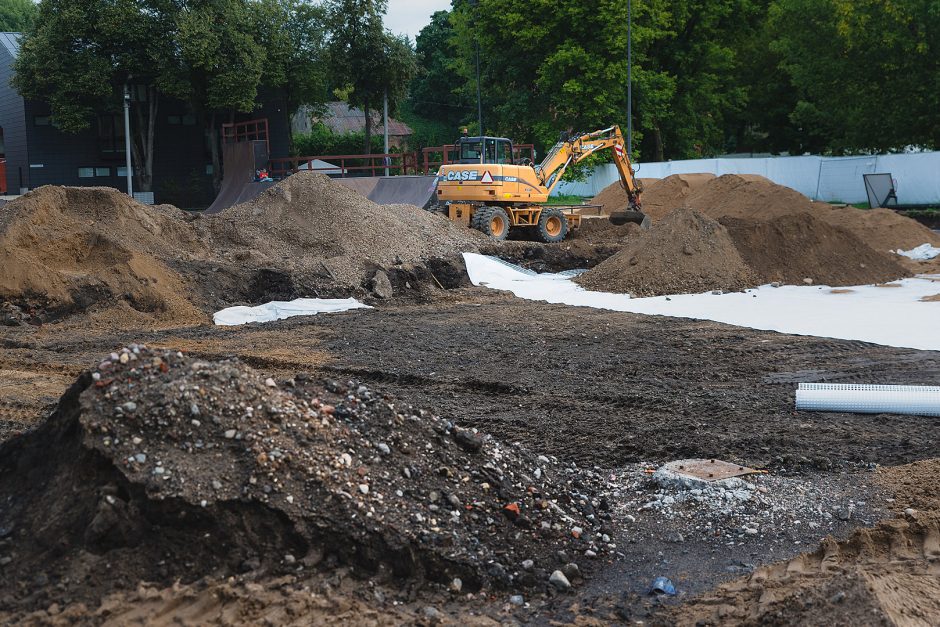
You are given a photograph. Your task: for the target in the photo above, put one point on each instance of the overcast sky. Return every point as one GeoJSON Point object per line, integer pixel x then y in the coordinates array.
{"type": "Point", "coordinates": [410, 16]}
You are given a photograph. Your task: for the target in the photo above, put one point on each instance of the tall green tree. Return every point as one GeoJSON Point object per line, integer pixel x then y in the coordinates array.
{"type": "Point", "coordinates": [437, 91]}
{"type": "Point", "coordinates": [294, 35]}
{"type": "Point", "coordinates": [866, 72]}
{"type": "Point", "coordinates": [17, 16]}
{"type": "Point", "coordinates": [552, 65]}
{"type": "Point", "coordinates": [367, 61]}
{"type": "Point", "coordinates": [217, 64]}
{"type": "Point", "coordinates": [80, 54]}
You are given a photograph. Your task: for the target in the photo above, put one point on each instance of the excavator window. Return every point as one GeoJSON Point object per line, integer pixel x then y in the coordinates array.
{"type": "Point", "coordinates": [504, 151]}
{"type": "Point", "coordinates": [490, 151]}
{"type": "Point", "coordinates": [470, 150]}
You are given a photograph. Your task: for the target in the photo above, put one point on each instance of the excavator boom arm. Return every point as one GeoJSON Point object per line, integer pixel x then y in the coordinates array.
{"type": "Point", "coordinates": [579, 148]}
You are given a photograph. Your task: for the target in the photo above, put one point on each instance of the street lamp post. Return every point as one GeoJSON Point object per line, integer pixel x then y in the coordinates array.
{"type": "Point", "coordinates": [127, 141]}
{"type": "Point", "coordinates": [630, 78]}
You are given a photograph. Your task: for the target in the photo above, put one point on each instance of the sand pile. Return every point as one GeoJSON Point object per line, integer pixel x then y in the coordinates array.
{"type": "Point", "coordinates": [746, 196]}
{"type": "Point", "coordinates": [310, 222]}
{"type": "Point", "coordinates": [783, 236]}
{"type": "Point", "coordinates": [880, 576]}
{"type": "Point", "coordinates": [660, 196]}
{"type": "Point", "coordinates": [684, 253]}
{"type": "Point", "coordinates": [65, 249]}
{"type": "Point", "coordinates": [169, 467]}
{"type": "Point", "coordinates": [882, 229]}
{"type": "Point", "coordinates": [792, 248]}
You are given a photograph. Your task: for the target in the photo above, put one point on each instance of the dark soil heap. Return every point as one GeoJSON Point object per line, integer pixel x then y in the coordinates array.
{"type": "Point", "coordinates": [685, 253]}
{"type": "Point", "coordinates": [165, 467]}
{"type": "Point", "coordinates": [64, 249]}
{"type": "Point", "coordinates": [310, 223]}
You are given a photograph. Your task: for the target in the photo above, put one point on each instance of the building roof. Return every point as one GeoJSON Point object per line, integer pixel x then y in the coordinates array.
{"type": "Point", "coordinates": [341, 118]}
{"type": "Point", "coordinates": [11, 41]}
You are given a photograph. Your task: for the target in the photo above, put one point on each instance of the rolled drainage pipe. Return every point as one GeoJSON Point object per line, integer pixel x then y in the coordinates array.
{"type": "Point", "coordinates": [911, 400]}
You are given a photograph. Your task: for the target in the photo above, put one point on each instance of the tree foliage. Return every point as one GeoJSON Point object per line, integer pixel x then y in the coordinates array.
{"type": "Point", "coordinates": [17, 15]}
{"type": "Point", "coordinates": [708, 77]}
{"type": "Point", "coordinates": [367, 61]}
{"type": "Point", "coordinates": [867, 72]}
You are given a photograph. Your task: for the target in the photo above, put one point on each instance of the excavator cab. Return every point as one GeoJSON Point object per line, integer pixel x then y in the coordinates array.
{"type": "Point", "coordinates": [483, 150]}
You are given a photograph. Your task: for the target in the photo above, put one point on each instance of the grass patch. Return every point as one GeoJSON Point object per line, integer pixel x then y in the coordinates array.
{"type": "Point", "coordinates": [566, 199]}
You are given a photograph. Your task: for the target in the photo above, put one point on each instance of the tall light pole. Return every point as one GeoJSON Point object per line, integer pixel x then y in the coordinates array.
{"type": "Point", "coordinates": [385, 121]}
{"type": "Point", "coordinates": [476, 33]}
{"type": "Point", "coordinates": [630, 78]}
{"type": "Point", "coordinates": [127, 141]}
{"type": "Point", "coordinates": [479, 98]}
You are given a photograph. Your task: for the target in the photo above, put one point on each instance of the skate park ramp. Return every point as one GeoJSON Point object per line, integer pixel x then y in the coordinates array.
{"type": "Point", "coordinates": [240, 161]}
{"type": "Point", "coordinates": [394, 190]}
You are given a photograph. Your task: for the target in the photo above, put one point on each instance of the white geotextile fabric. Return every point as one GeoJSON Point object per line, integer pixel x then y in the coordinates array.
{"type": "Point", "coordinates": [280, 309]}
{"type": "Point", "coordinates": [892, 316]}
{"type": "Point", "coordinates": [924, 252]}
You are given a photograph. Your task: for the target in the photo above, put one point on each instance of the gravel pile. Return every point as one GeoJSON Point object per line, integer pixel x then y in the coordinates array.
{"type": "Point", "coordinates": [310, 223]}
{"type": "Point", "coordinates": [173, 467]}
{"type": "Point", "coordinates": [771, 509]}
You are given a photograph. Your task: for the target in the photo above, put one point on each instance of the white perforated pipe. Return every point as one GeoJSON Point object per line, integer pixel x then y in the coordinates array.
{"type": "Point", "coordinates": [913, 400]}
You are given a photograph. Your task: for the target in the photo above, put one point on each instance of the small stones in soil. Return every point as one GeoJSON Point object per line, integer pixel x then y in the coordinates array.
{"type": "Point", "coordinates": [559, 580]}
{"type": "Point", "coordinates": [338, 453]}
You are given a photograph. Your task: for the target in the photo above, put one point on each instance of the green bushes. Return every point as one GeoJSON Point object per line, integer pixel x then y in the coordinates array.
{"type": "Point", "coordinates": [322, 141]}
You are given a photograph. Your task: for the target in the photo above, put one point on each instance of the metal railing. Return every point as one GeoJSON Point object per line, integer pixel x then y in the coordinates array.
{"type": "Point", "coordinates": [249, 130]}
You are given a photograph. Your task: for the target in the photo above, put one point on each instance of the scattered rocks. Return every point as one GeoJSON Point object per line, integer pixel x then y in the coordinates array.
{"type": "Point", "coordinates": [560, 581]}
{"type": "Point", "coordinates": [362, 469]}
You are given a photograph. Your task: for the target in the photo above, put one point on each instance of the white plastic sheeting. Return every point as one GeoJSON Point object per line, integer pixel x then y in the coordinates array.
{"type": "Point", "coordinates": [924, 252]}
{"type": "Point", "coordinates": [892, 316]}
{"type": "Point", "coordinates": [280, 309]}
{"type": "Point", "coordinates": [836, 179]}
{"type": "Point", "coordinates": [913, 400]}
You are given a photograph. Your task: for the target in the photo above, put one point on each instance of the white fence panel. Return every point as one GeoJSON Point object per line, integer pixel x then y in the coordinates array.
{"type": "Point", "coordinates": [840, 180]}
{"type": "Point", "coordinates": [917, 176]}
{"type": "Point", "coordinates": [821, 178]}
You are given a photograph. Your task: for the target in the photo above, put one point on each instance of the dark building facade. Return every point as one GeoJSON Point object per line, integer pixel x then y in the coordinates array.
{"type": "Point", "coordinates": [37, 153]}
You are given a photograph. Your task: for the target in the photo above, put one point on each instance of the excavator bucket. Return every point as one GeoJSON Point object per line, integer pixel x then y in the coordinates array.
{"type": "Point", "coordinates": [629, 215]}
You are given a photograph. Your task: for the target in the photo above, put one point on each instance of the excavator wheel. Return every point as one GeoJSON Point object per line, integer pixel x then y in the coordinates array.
{"type": "Point", "coordinates": [637, 217]}
{"type": "Point", "coordinates": [493, 221]}
{"type": "Point", "coordinates": [552, 226]}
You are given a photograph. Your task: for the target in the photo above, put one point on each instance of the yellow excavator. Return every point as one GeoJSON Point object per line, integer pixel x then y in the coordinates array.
{"type": "Point", "coordinates": [487, 190]}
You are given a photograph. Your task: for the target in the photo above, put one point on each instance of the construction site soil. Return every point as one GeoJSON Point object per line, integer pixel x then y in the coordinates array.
{"type": "Point", "coordinates": [684, 253]}
{"type": "Point", "coordinates": [452, 456]}
{"type": "Point", "coordinates": [781, 235]}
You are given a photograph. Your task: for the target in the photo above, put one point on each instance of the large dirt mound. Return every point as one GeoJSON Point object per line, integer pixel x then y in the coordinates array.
{"type": "Point", "coordinates": [792, 248]}
{"type": "Point", "coordinates": [166, 467]}
{"type": "Point", "coordinates": [882, 229]}
{"type": "Point", "coordinates": [660, 196]}
{"type": "Point", "coordinates": [746, 196]}
{"type": "Point", "coordinates": [309, 221]}
{"type": "Point", "coordinates": [684, 253]}
{"type": "Point", "coordinates": [67, 248]}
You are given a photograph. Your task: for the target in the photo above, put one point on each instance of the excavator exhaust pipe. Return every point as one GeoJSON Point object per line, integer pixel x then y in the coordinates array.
{"type": "Point", "coordinates": [620, 218]}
